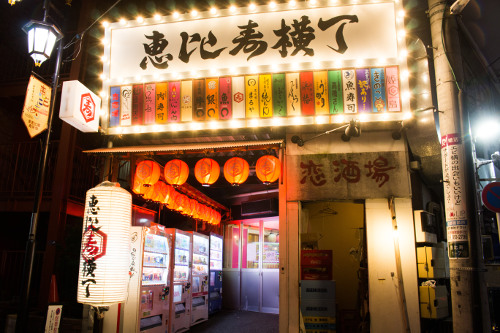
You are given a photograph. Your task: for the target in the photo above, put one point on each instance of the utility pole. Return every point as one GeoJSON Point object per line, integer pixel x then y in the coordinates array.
{"type": "Point", "coordinates": [462, 233]}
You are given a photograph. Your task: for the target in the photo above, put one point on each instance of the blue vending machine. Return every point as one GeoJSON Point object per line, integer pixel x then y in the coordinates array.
{"type": "Point", "coordinates": [215, 276]}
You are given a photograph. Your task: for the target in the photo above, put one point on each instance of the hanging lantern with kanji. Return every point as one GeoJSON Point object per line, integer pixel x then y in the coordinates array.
{"type": "Point", "coordinates": [159, 191]}
{"type": "Point", "coordinates": [268, 169]}
{"type": "Point", "coordinates": [176, 172]}
{"type": "Point", "coordinates": [181, 201]}
{"type": "Point", "coordinates": [149, 192]}
{"type": "Point", "coordinates": [147, 172]}
{"type": "Point", "coordinates": [141, 189]}
{"type": "Point", "coordinates": [170, 195]}
{"type": "Point", "coordinates": [236, 170]}
{"type": "Point", "coordinates": [207, 171]}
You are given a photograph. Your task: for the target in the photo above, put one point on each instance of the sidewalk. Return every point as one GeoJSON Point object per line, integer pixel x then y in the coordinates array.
{"type": "Point", "coordinates": [232, 321]}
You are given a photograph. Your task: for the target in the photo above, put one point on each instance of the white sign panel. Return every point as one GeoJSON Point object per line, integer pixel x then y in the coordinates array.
{"type": "Point", "coordinates": [80, 107]}
{"type": "Point", "coordinates": [293, 37]}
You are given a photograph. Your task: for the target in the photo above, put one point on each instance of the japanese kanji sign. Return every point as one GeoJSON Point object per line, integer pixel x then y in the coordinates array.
{"type": "Point", "coordinates": [348, 176]}
{"type": "Point", "coordinates": [36, 106]}
{"type": "Point", "coordinates": [80, 107]}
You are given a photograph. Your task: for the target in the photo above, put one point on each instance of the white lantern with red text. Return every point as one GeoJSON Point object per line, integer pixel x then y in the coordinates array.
{"type": "Point", "coordinates": [105, 256]}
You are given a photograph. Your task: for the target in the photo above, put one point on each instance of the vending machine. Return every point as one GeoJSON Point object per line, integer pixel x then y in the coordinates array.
{"type": "Point", "coordinates": [180, 314]}
{"type": "Point", "coordinates": [215, 274]}
{"type": "Point", "coordinates": [147, 306]}
{"type": "Point", "coordinates": [199, 285]}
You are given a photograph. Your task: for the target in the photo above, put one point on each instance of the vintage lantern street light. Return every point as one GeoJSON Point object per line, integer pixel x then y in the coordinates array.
{"type": "Point", "coordinates": [236, 171]}
{"type": "Point", "coordinates": [41, 40]}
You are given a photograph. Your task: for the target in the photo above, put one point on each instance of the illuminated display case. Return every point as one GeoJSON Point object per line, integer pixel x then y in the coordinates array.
{"type": "Point", "coordinates": [215, 274]}
{"type": "Point", "coordinates": [199, 304]}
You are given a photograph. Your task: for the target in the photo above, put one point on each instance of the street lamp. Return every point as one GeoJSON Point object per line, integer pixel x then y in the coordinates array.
{"type": "Point", "coordinates": [41, 40]}
{"type": "Point", "coordinates": [42, 37]}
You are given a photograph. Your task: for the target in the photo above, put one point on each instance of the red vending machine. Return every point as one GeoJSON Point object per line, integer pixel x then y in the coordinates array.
{"type": "Point", "coordinates": [147, 306]}
{"type": "Point", "coordinates": [199, 285]}
{"type": "Point", "coordinates": [180, 314]}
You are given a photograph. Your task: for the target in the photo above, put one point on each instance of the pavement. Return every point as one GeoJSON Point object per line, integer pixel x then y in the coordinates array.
{"type": "Point", "coordinates": [232, 321]}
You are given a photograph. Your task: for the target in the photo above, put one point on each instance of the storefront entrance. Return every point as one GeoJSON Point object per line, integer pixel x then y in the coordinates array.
{"type": "Point", "coordinates": [251, 265]}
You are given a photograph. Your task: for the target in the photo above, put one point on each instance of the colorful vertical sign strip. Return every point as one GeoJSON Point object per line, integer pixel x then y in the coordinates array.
{"type": "Point", "coordinates": [252, 96]}
{"type": "Point", "coordinates": [378, 90]}
{"type": "Point", "coordinates": [364, 90]}
{"type": "Point", "coordinates": [137, 104]}
{"type": "Point", "coordinates": [293, 94]}
{"type": "Point", "coordinates": [149, 103]}
{"type": "Point", "coordinates": [238, 97]}
{"type": "Point", "coordinates": [321, 92]}
{"type": "Point", "coordinates": [199, 100]}
{"type": "Point", "coordinates": [161, 92]}
{"type": "Point", "coordinates": [114, 106]}
{"type": "Point", "coordinates": [349, 90]}
{"type": "Point", "coordinates": [335, 95]}
{"type": "Point", "coordinates": [225, 104]}
{"type": "Point", "coordinates": [212, 99]}
{"type": "Point", "coordinates": [307, 93]}
{"type": "Point", "coordinates": [393, 92]}
{"type": "Point", "coordinates": [279, 95]}
{"type": "Point", "coordinates": [187, 100]}
{"type": "Point", "coordinates": [266, 96]}
{"type": "Point", "coordinates": [126, 105]}
{"type": "Point", "coordinates": [174, 101]}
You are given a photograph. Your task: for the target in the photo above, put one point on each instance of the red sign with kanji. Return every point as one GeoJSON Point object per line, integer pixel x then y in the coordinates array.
{"type": "Point", "coordinates": [93, 244]}
{"type": "Point", "coordinates": [87, 107]}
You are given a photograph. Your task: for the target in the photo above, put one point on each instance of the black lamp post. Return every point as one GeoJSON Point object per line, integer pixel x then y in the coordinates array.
{"type": "Point", "coordinates": [42, 37]}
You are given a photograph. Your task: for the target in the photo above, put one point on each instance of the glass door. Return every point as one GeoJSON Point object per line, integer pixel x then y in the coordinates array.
{"type": "Point", "coordinates": [250, 266]}
{"type": "Point", "coordinates": [231, 267]}
{"type": "Point", "coordinates": [270, 264]}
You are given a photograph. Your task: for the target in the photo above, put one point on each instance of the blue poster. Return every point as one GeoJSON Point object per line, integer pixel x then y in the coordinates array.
{"type": "Point", "coordinates": [378, 90]}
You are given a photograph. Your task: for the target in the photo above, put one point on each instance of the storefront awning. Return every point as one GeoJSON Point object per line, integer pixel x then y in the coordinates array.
{"type": "Point", "coordinates": [192, 147]}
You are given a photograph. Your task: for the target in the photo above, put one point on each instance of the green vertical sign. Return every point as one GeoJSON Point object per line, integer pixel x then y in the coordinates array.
{"type": "Point", "coordinates": [335, 92]}
{"type": "Point", "coordinates": [279, 95]}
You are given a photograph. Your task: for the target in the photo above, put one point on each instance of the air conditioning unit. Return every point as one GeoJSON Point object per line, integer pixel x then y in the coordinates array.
{"type": "Point", "coordinates": [261, 207]}
{"type": "Point", "coordinates": [425, 227]}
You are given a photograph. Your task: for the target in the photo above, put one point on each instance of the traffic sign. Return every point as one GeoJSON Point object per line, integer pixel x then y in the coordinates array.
{"type": "Point", "coordinates": [491, 196]}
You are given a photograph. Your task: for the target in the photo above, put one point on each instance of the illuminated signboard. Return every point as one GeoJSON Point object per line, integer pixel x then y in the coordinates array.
{"type": "Point", "coordinates": [262, 66]}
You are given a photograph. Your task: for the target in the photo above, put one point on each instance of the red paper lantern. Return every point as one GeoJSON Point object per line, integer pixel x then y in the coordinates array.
{"type": "Point", "coordinates": [181, 201]}
{"type": "Point", "coordinates": [198, 211]}
{"type": "Point", "coordinates": [147, 172]}
{"type": "Point", "coordinates": [141, 189]}
{"type": "Point", "coordinates": [170, 196]}
{"type": "Point", "coordinates": [236, 170]}
{"type": "Point", "coordinates": [176, 172]}
{"type": "Point", "coordinates": [160, 191]}
{"type": "Point", "coordinates": [268, 169]}
{"type": "Point", "coordinates": [207, 171]}
{"type": "Point", "coordinates": [148, 192]}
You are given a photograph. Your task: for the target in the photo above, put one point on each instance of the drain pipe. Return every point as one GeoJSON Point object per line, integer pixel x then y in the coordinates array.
{"type": "Point", "coordinates": [462, 233]}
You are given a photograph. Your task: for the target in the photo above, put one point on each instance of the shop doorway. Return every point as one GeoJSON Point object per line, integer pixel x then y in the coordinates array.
{"type": "Point", "coordinates": [335, 229]}
{"type": "Point", "coordinates": [251, 274]}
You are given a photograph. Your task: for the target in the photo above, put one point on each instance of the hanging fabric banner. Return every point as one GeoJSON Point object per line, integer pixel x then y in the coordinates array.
{"type": "Point", "coordinates": [307, 93]}
{"type": "Point", "coordinates": [252, 96]}
{"type": "Point", "coordinates": [335, 92]}
{"type": "Point", "coordinates": [225, 98]}
{"type": "Point", "coordinates": [149, 103]}
{"type": "Point", "coordinates": [279, 95]}
{"type": "Point", "coordinates": [174, 101]}
{"type": "Point", "coordinates": [266, 95]}
{"type": "Point", "coordinates": [393, 98]}
{"type": "Point", "coordinates": [126, 106]}
{"type": "Point", "coordinates": [321, 92]}
{"type": "Point", "coordinates": [378, 90]}
{"type": "Point", "coordinates": [238, 93]}
{"type": "Point", "coordinates": [349, 90]}
{"type": "Point", "coordinates": [212, 99]}
{"type": "Point", "coordinates": [137, 104]}
{"type": "Point", "coordinates": [187, 100]}
{"type": "Point", "coordinates": [293, 94]}
{"type": "Point", "coordinates": [199, 100]}
{"type": "Point", "coordinates": [364, 90]}
{"type": "Point", "coordinates": [161, 102]}
{"type": "Point", "coordinates": [114, 106]}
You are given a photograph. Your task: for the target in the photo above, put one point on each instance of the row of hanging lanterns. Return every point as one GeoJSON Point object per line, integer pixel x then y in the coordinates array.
{"type": "Point", "coordinates": [167, 195]}
{"type": "Point", "coordinates": [207, 171]}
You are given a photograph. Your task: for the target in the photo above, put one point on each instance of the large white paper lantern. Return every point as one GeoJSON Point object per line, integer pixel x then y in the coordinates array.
{"type": "Point", "coordinates": [105, 255]}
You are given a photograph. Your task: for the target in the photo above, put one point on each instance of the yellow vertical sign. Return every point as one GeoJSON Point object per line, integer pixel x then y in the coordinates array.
{"type": "Point", "coordinates": [161, 102]}
{"type": "Point", "coordinates": [252, 96]}
{"type": "Point", "coordinates": [187, 100]}
{"type": "Point", "coordinates": [35, 113]}
{"type": "Point", "coordinates": [266, 95]}
{"type": "Point", "coordinates": [321, 92]}
{"type": "Point", "coordinates": [212, 98]}
{"type": "Point", "coordinates": [293, 94]}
